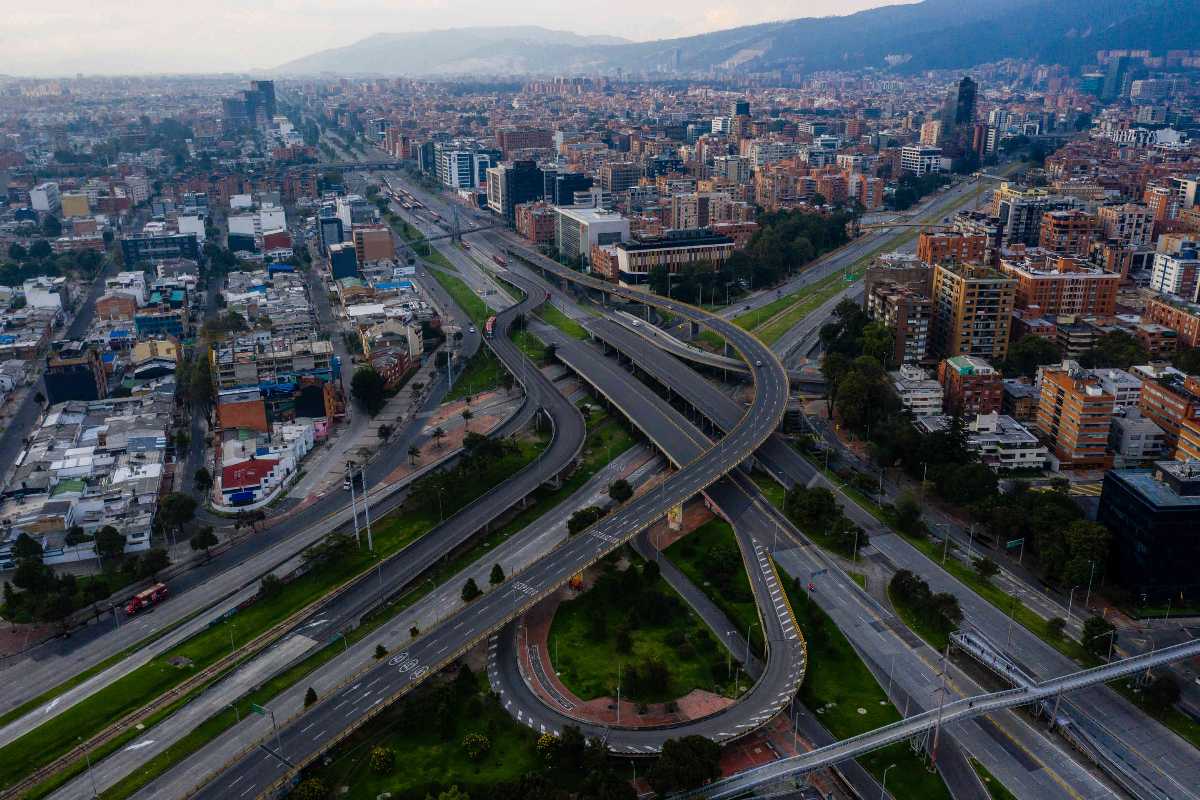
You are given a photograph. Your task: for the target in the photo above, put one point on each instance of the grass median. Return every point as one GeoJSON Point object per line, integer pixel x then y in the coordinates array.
{"type": "Point", "coordinates": [471, 303]}
{"type": "Point", "coordinates": [141, 686]}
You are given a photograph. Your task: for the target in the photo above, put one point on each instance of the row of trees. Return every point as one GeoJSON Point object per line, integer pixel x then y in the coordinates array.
{"type": "Point", "coordinates": [817, 513]}
{"type": "Point", "coordinates": [938, 611]}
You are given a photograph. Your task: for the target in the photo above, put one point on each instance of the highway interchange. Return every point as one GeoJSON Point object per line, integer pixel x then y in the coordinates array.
{"type": "Point", "coordinates": [703, 466]}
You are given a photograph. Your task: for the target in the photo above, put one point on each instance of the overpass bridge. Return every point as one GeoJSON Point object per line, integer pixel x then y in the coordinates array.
{"type": "Point", "coordinates": [932, 720]}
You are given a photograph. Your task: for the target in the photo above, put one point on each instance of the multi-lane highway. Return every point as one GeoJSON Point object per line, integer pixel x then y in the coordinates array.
{"type": "Point", "coordinates": [258, 770]}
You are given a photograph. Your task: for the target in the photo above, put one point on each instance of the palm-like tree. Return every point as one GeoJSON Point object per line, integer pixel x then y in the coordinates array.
{"type": "Point", "coordinates": [467, 417]}
{"type": "Point", "coordinates": [414, 453]}
{"type": "Point", "coordinates": [438, 434]}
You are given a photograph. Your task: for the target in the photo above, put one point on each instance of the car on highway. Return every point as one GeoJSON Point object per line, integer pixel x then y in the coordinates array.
{"type": "Point", "coordinates": [471, 329]}
{"type": "Point", "coordinates": [758, 363]}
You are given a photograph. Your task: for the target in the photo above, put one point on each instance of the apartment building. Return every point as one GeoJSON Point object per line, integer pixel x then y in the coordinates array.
{"type": "Point", "coordinates": [1169, 399]}
{"type": "Point", "coordinates": [1130, 223]}
{"type": "Point", "coordinates": [935, 248]}
{"type": "Point", "coordinates": [1178, 315]}
{"type": "Point", "coordinates": [1068, 233]}
{"type": "Point", "coordinates": [1001, 442]}
{"type": "Point", "coordinates": [971, 385]}
{"type": "Point", "coordinates": [537, 222]}
{"type": "Point", "coordinates": [373, 243]}
{"type": "Point", "coordinates": [1075, 415]}
{"type": "Point", "coordinates": [1019, 211]}
{"type": "Point", "coordinates": [921, 159]}
{"type": "Point", "coordinates": [1177, 272]}
{"type": "Point", "coordinates": [1059, 284]}
{"type": "Point", "coordinates": [578, 230]}
{"type": "Point", "coordinates": [908, 314]}
{"type": "Point", "coordinates": [268, 361]}
{"type": "Point", "coordinates": [619, 176]}
{"type": "Point", "coordinates": [972, 312]}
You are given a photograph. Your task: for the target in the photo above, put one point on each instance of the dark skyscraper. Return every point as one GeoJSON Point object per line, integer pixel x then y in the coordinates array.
{"type": "Point", "coordinates": [958, 118]}
{"type": "Point", "coordinates": [740, 108]}
{"type": "Point", "coordinates": [266, 97]}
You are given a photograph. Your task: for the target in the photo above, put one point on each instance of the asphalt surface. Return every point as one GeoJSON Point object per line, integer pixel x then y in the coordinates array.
{"type": "Point", "coordinates": [259, 770]}
{"type": "Point", "coordinates": [849, 605]}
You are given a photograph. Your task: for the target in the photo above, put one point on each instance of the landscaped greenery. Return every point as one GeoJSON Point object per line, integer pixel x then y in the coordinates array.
{"type": "Point", "coordinates": [456, 734]}
{"type": "Point", "coordinates": [483, 373]}
{"type": "Point", "coordinates": [561, 321]}
{"type": "Point", "coordinates": [632, 620]}
{"type": "Point", "coordinates": [837, 685]}
{"type": "Point", "coordinates": [464, 296]}
{"type": "Point", "coordinates": [337, 560]}
{"type": "Point", "coordinates": [994, 788]}
{"type": "Point", "coordinates": [709, 556]}
{"type": "Point", "coordinates": [814, 297]}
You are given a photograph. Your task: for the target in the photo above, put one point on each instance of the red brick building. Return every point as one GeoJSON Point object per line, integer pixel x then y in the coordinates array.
{"type": "Point", "coordinates": [971, 386]}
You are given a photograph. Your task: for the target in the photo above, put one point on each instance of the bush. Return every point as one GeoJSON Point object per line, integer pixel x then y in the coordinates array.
{"type": "Point", "coordinates": [476, 746]}
{"type": "Point", "coordinates": [310, 697]}
{"type": "Point", "coordinates": [383, 760]}
{"type": "Point", "coordinates": [470, 590]}
{"type": "Point", "coordinates": [380, 651]}
{"type": "Point", "coordinates": [1055, 626]}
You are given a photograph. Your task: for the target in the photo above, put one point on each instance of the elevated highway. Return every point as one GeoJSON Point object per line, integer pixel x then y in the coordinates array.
{"type": "Point", "coordinates": [262, 769]}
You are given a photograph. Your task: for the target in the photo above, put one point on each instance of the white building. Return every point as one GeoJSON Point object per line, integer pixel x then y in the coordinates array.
{"type": "Point", "coordinates": [761, 153]}
{"type": "Point", "coordinates": [919, 394]}
{"type": "Point", "coordinates": [462, 169]}
{"type": "Point", "coordinates": [579, 229]}
{"type": "Point", "coordinates": [131, 282]}
{"type": "Point", "coordinates": [1000, 441]}
{"type": "Point", "coordinates": [1134, 439]}
{"type": "Point", "coordinates": [46, 292]}
{"type": "Point", "coordinates": [722, 124]}
{"type": "Point", "coordinates": [191, 224]}
{"type": "Point", "coordinates": [1124, 387]}
{"type": "Point", "coordinates": [920, 159]}
{"type": "Point", "coordinates": [1176, 273]}
{"type": "Point", "coordinates": [45, 197]}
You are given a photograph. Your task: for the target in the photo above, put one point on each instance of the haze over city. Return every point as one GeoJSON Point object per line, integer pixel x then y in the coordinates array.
{"type": "Point", "coordinates": [247, 35]}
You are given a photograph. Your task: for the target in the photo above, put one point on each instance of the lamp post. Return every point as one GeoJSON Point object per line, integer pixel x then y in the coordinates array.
{"type": "Point", "coordinates": [883, 787]}
{"type": "Point", "coordinates": [91, 775]}
{"type": "Point", "coordinates": [1070, 602]}
{"type": "Point", "coordinates": [1087, 598]}
{"type": "Point", "coordinates": [748, 632]}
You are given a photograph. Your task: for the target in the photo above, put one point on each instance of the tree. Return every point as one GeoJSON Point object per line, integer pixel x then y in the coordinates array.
{"type": "Point", "coordinates": [110, 543]}
{"type": "Point", "coordinates": [1055, 626]}
{"type": "Point", "coordinates": [203, 480]}
{"type": "Point", "coordinates": [1027, 354]}
{"type": "Point", "coordinates": [39, 398]}
{"type": "Point", "coordinates": [41, 249]}
{"type": "Point", "coordinates": [205, 539]}
{"type": "Point", "coordinates": [414, 453]}
{"type": "Point", "coordinates": [985, 568]}
{"type": "Point", "coordinates": [467, 416]}
{"type": "Point", "coordinates": [470, 590]}
{"type": "Point", "coordinates": [176, 510]}
{"type": "Point", "coordinates": [438, 434]}
{"type": "Point", "coordinates": [17, 253]}
{"type": "Point", "coordinates": [507, 382]}
{"type": "Point", "coordinates": [497, 575]}
{"type": "Point", "coordinates": [453, 793]}
{"type": "Point", "coordinates": [907, 514]}
{"type": "Point", "coordinates": [583, 518]}
{"type": "Point", "coordinates": [26, 548]}
{"type": "Point", "coordinates": [311, 789]}
{"type": "Point", "coordinates": [1161, 692]}
{"type": "Point", "coordinates": [380, 651]}
{"type": "Point", "coordinates": [1115, 349]}
{"type": "Point", "coordinates": [310, 697]}
{"type": "Point", "coordinates": [152, 562]}
{"type": "Point", "coordinates": [385, 432]}
{"type": "Point", "coordinates": [1099, 635]}
{"type": "Point", "coordinates": [75, 535]}
{"type": "Point", "coordinates": [369, 389]}
{"type": "Point", "coordinates": [686, 763]}
{"type": "Point", "coordinates": [620, 490]}
{"type": "Point", "coordinates": [383, 760]}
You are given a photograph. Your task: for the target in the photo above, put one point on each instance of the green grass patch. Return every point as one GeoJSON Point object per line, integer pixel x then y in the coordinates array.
{"type": "Point", "coordinates": [815, 296]}
{"type": "Point", "coordinates": [630, 620]}
{"type": "Point", "coordinates": [482, 373]}
{"type": "Point", "coordinates": [935, 638]}
{"type": "Point", "coordinates": [529, 345]}
{"type": "Point", "coordinates": [752, 319]}
{"type": "Point", "coordinates": [561, 321]}
{"type": "Point", "coordinates": [838, 684]}
{"type": "Point", "coordinates": [710, 340]}
{"type": "Point", "coordinates": [710, 558]}
{"type": "Point", "coordinates": [471, 303]}
{"type": "Point", "coordinates": [994, 788]}
{"type": "Point", "coordinates": [1180, 723]}
{"type": "Point", "coordinates": [425, 730]}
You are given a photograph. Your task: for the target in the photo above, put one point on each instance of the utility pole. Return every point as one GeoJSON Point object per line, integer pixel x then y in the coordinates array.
{"type": "Point", "coordinates": [937, 726]}
{"type": "Point", "coordinates": [362, 470]}
{"type": "Point", "coordinates": [353, 503]}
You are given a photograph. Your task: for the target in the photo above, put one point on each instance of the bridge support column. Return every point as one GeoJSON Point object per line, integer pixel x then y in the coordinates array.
{"type": "Point", "coordinates": [693, 330]}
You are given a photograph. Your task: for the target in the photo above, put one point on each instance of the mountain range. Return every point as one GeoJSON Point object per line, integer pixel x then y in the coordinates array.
{"type": "Point", "coordinates": [934, 34]}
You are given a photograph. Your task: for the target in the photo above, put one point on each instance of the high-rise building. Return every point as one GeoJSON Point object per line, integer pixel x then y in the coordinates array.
{"type": "Point", "coordinates": [972, 311]}
{"type": "Point", "coordinates": [373, 243]}
{"type": "Point", "coordinates": [739, 108]}
{"type": "Point", "coordinates": [1068, 233]}
{"type": "Point", "coordinates": [74, 372]}
{"type": "Point", "coordinates": [958, 117]}
{"type": "Point", "coordinates": [1155, 519]}
{"type": "Point", "coordinates": [936, 248]}
{"type": "Point", "coordinates": [907, 314]}
{"type": "Point", "coordinates": [1177, 273]}
{"type": "Point", "coordinates": [617, 177]}
{"type": "Point", "coordinates": [510, 185]}
{"type": "Point", "coordinates": [343, 261]}
{"type": "Point", "coordinates": [1075, 414]}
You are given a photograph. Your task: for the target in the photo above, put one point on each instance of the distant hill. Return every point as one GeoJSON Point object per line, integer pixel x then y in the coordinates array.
{"type": "Point", "coordinates": [934, 34]}
{"type": "Point", "coordinates": [451, 51]}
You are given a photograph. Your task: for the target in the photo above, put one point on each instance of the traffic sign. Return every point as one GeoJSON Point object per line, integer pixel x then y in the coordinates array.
{"type": "Point", "coordinates": [257, 709]}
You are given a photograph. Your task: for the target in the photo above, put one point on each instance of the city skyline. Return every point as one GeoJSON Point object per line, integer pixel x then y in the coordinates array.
{"type": "Point", "coordinates": [261, 34]}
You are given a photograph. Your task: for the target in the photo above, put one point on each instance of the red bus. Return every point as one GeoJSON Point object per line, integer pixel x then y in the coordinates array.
{"type": "Point", "coordinates": [500, 260]}
{"type": "Point", "coordinates": [489, 327]}
{"type": "Point", "coordinates": [146, 598]}
{"type": "Point", "coordinates": [466, 245]}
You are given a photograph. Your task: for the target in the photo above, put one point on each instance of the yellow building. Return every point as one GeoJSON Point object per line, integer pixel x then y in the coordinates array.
{"type": "Point", "coordinates": [75, 204]}
{"type": "Point", "coordinates": [972, 311]}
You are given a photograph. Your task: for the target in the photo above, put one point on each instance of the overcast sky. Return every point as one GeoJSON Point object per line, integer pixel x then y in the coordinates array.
{"type": "Point", "coordinates": [139, 36]}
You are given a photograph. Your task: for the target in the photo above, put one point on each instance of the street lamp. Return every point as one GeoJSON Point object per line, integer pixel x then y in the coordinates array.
{"type": "Point", "coordinates": [91, 775]}
{"type": "Point", "coordinates": [748, 632]}
{"type": "Point", "coordinates": [883, 788]}
{"type": "Point", "coordinates": [1070, 601]}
